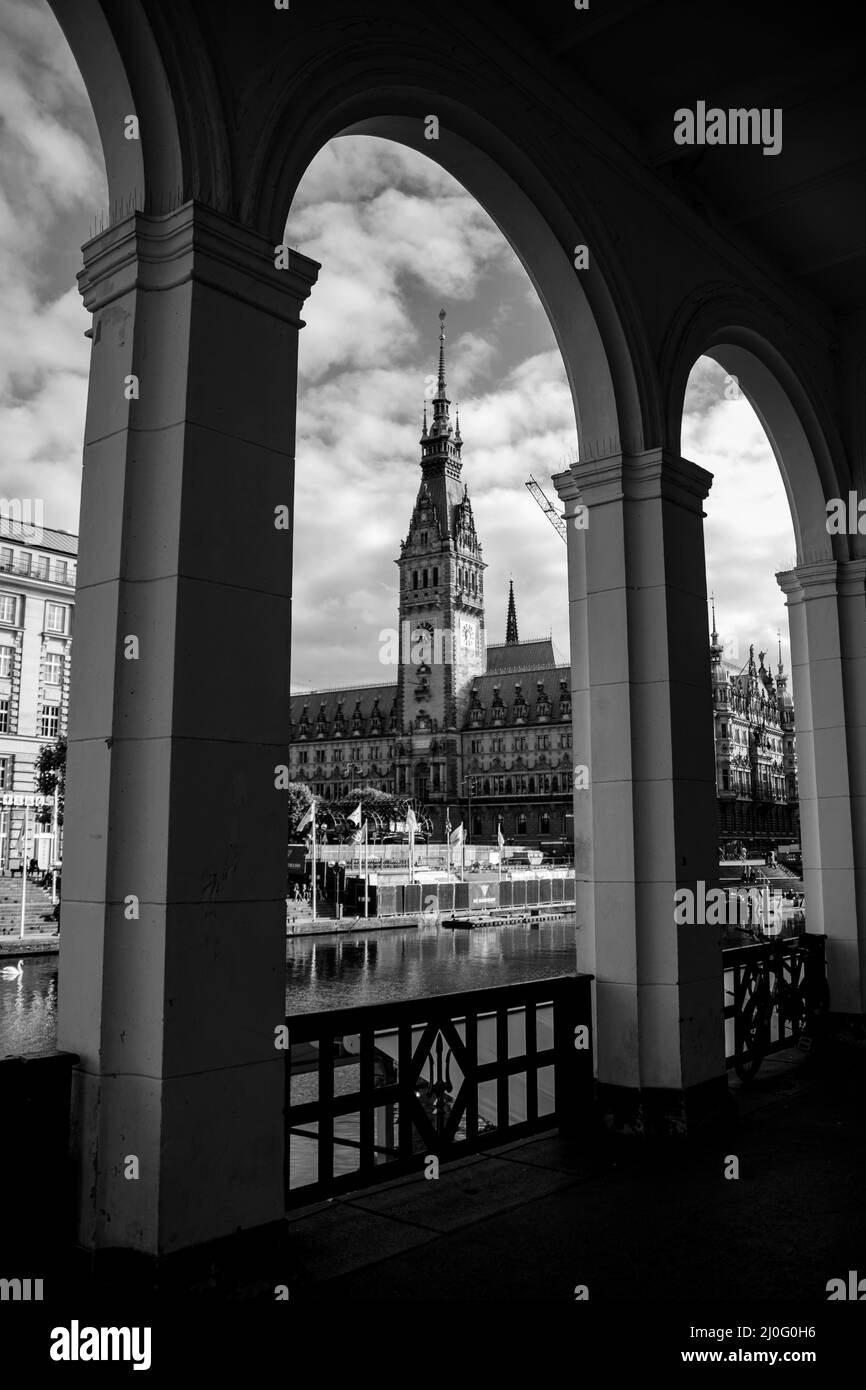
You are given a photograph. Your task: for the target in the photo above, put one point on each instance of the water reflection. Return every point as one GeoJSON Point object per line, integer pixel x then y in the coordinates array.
{"type": "Point", "coordinates": [28, 1007]}
{"type": "Point", "coordinates": [331, 972]}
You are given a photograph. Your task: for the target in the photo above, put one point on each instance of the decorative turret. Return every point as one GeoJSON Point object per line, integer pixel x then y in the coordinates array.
{"type": "Point", "coordinates": [511, 621]}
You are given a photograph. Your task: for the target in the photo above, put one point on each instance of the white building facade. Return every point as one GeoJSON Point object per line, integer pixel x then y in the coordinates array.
{"type": "Point", "coordinates": [37, 598]}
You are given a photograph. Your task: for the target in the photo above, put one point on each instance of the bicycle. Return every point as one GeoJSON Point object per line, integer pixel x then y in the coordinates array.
{"type": "Point", "coordinates": [799, 997]}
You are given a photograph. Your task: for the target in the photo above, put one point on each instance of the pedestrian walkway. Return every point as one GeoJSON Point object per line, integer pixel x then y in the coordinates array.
{"type": "Point", "coordinates": [630, 1219]}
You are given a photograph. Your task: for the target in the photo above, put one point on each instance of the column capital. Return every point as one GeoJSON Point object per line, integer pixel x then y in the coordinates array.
{"type": "Point", "coordinates": [817, 580]}
{"type": "Point", "coordinates": [194, 243]}
{"type": "Point", "coordinates": [637, 477]}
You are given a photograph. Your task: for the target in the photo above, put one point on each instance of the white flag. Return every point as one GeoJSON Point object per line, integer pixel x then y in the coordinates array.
{"type": "Point", "coordinates": [355, 817]}
{"type": "Point", "coordinates": [307, 817]}
{"type": "Point", "coordinates": [411, 823]}
{"type": "Point", "coordinates": [500, 837]}
{"type": "Point", "coordinates": [456, 836]}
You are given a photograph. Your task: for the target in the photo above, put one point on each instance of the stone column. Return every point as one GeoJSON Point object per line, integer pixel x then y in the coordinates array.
{"type": "Point", "coordinates": [826, 608]}
{"type": "Point", "coordinates": [644, 720]}
{"type": "Point", "coordinates": [172, 969]}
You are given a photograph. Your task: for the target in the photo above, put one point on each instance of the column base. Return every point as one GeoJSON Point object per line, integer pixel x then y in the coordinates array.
{"type": "Point", "coordinates": [245, 1266]}
{"type": "Point", "coordinates": [656, 1113]}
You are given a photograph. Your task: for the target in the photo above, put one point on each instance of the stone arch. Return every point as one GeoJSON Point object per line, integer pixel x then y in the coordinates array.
{"type": "Point", "coordinates": [606, 359]}
{"type": "Point", "coordinates": [719, 322]}
{"type": "Point", "coordinates": [823, 591]}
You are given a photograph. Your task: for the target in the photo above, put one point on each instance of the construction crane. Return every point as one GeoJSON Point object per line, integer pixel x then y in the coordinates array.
{"type": "Point", "coordinates": [547, 507]}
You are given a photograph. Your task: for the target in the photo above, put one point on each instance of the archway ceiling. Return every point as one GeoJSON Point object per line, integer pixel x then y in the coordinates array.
{"type": "Point", "coordinates": [242, 75]}
{"type": "Point", "coordinates": [642, 59]}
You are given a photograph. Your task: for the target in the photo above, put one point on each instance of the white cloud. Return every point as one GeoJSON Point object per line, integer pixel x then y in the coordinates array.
{"type": "Point", "coordinates": [397, 237]}
{"type": "Point", "coordinates": [52, 180]}
{"type": "Point", "coordinates": [748, 531]}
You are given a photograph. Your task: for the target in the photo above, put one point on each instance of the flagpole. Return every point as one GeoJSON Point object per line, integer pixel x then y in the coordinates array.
{"type": "Point", "coordinates": [366, 870]}
{"type": "Point", "coordinates": [314, 859]}
{"type": "Point", "coordinates": [23, 870]}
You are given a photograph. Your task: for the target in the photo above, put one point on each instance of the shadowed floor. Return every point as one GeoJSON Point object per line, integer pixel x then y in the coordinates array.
{"type": "Point", "coordinates": [631, 1220]}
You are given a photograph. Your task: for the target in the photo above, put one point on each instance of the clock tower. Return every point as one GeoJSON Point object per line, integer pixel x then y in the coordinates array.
{"type": "Point", "coordinates": [442, 644]}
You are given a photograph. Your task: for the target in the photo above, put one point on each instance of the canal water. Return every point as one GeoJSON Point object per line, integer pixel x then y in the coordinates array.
{"type": "Point", "coordinates": [332, 972]}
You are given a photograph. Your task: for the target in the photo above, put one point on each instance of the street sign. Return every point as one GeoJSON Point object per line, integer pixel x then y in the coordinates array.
{"type": "Point", "coordinates": [25, 799]}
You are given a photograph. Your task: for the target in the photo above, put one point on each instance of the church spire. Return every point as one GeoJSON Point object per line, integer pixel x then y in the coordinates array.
{"type": "Point", "coordinates": [441, 426]}
{"type": "Point", "coordinates": [511, 637]}
{"type": "Point", "coordinates": [441, 382]}
{"type": "Point", "coordinates": [716, 648]}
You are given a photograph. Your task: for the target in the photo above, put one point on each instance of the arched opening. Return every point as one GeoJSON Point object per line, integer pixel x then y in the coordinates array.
{"type": "Point", "coordinates": [803, 741]}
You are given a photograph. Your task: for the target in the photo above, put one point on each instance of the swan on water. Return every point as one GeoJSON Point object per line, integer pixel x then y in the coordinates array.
{"type": "Point", "coordinates": [12, 972]}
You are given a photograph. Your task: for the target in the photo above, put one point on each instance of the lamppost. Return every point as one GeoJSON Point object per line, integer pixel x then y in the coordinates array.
{"type": "Point", "coordinates": [470, 779]}
{"type": "Point", "coordinates": [350, 770]}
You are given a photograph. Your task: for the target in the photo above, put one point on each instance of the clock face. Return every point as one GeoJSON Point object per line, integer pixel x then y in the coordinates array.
{"type": "Point", "coordinates": [467, 635]}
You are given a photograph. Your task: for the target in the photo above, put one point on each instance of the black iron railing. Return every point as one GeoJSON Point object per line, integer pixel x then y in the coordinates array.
{"type": "Point", "coordinates": [774, 992]}
{"type": "Point", "coordinates": [379, 1090]}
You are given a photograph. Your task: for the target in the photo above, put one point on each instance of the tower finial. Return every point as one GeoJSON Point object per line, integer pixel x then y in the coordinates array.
{"type": "Point", "coordinates": [441, 382]}
{"type": "Point", "coordinates": [779, 635]}
{"type": "Point", "coordinates": [511, 621]}
{"type": "Point", "coordinates": [424, 426]}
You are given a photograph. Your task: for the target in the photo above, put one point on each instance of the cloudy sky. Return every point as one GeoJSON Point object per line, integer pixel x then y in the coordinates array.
{"type": "Point", "coordinates": [398, 239]}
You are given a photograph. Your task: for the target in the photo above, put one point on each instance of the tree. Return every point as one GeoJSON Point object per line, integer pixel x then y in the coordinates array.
{"type": "Point", "coordinates": [300, 797]}
{"type": "Point", "coordinates": [51, 772]}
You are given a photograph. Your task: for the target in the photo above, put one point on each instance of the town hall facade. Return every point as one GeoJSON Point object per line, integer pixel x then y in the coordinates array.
{"type": "Point", "coordinates": [468, 732]}
{"type": "Point", "coordinates": [481, 733]}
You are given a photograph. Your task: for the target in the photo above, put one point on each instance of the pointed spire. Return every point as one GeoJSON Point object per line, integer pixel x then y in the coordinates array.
{"type": "Point", "coordinates": [716, 648]}
{"type": "Point", "coordinates": [441, 383]}
{"type": "Point", "coordinates": [441, 427]}
{"type": "Point", "coordinates": [457, 438]}
{"type": "Point", "coordinates": [779, 635]}
{"type": "Point", "coordinates": [424, 426]}
{"type": "Point", "coordinates": [511, 621]}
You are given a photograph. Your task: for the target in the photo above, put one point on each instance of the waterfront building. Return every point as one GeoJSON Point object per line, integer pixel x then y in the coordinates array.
{"type": "Point", "coordinates": [756, 750]}
{"type": "Point", "coordinates": [482, 732]}
{"type": "Point", "coordinates": [467, 731]}
{"type": "Point", "coordinates": [37, 597]}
